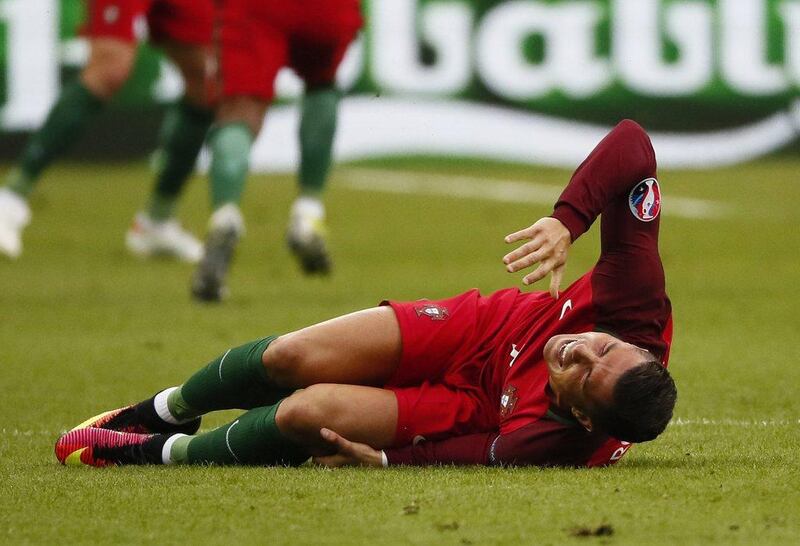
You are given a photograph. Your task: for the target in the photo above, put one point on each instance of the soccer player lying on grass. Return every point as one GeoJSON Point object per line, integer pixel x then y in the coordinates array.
{"type": "Point", "coordinates": [511, 378]}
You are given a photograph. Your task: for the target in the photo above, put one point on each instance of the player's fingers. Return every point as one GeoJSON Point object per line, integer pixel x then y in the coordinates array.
{"type": "Point", "coordinates": [341, 444]}
{"type": "Point", "coordinates": [531, 246]}
{"type": "Point", "coordinates": [519, 252]}
{"type": "Point", "coordinates": [328, 435]}
{"type": "Point", "coordinates": [555, 281]}
{"type": "Point", "coordinates": [520, 235]}
{"type": "Point", "coordinates": [525, 261]}
{"type": "Point", "coordinates": [538, 274]}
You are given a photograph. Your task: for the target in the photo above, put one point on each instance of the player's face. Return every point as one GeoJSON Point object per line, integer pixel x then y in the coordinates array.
{"type": "Point", "coordinates": [585, 367]}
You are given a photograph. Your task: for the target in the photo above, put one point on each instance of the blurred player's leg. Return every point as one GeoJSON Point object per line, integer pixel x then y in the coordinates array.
{"type": "Point", "coordinates": [184, 30]}
{"type": "Point", "coordinates": [315, 54]}
{"type": "Point", "coordinates": [230, 140]}
{"type": "Point", "coordinates": [155, 231]}
{"type": "Point", "coordinates": [250, 56]}
{"type": "Point", "coordinates": [109, 66]}
{"type": "Point", "coordinates": [307, 232]}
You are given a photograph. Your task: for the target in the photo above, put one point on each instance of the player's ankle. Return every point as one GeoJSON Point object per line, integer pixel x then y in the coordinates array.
{"type": "Point", "coordinates": [169, 407]}
{"type": "Point", "coordinates": [176, 449]}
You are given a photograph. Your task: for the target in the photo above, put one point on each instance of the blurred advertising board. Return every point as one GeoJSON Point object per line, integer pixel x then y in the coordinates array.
{"type": "Point", "coordinates": [715, 81]}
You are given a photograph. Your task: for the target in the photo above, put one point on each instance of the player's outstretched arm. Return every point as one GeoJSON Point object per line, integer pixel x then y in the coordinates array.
{"type": "Point", "coordinates": [548, 242]}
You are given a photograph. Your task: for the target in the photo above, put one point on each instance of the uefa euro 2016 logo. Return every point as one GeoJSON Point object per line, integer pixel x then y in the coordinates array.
{"type": "Point", "coordinates": [645, 200]}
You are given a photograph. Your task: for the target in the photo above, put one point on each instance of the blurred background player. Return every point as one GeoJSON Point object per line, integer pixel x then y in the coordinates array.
{"type": "Point", "coordinates": [259, 38]}
{"type": "Point", "coordinates": [183, 29]}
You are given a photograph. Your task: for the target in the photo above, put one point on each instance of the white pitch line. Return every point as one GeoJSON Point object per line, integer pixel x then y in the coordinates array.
{"type": "Point", "coordinates": [677, 422]}
{"type": "Point", "coordinates": [495, 189]}
{"type": "Point", "coordinates": [702, 421]}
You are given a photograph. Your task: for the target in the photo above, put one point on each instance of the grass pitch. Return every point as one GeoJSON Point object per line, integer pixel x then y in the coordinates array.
{"type": "Point", "coordinates": [84, 327]}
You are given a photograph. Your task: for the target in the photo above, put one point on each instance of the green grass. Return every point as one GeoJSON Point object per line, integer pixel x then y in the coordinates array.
{"type": "Point", "coordinates": [85, 327]}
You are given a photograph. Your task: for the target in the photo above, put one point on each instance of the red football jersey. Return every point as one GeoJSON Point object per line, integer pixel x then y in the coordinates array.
{"type": "Point", "coordinates": [624, 294]}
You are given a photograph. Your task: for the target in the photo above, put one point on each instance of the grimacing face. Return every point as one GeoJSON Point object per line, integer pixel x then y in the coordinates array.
{"type": "Point", "coordinates": [584, 368]}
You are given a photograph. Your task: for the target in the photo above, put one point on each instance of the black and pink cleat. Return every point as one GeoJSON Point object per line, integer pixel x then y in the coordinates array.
{"type": "Point", "coordinates": [101, 447]}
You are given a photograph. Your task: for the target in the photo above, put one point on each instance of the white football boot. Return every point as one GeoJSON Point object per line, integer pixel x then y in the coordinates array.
{"type": "Point", "coordinates": [225, 229]}
{"type": "Point", "coordinates": [307, 235]}
{"type": "Point", "coordinates": [14, 216]}
{"type": "Point", "coordinates": [148, 238]}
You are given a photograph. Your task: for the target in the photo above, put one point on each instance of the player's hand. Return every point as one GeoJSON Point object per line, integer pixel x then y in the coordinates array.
{"type": "Point", "coordinates": [347, 453]}
{"type": "Point", "coordinates": [548, 244]}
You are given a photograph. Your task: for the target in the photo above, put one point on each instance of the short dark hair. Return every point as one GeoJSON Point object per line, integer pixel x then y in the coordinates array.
{"type": "Point", "coordinates": [642, 404]}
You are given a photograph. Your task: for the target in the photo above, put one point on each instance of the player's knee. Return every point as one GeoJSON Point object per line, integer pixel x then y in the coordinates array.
{"type": "Point", "coordinates": [198, 94]}
{"type": "Point", "coordinates": [104, 78]}
{"type": "Point", "coordinates": [198, 90]}
{"type": "Point", "coordinates": [247, 110]}
{"type": "Point", "coordinates": [285, 359]}
{"type": "Point", "coordinates": [305, 412]}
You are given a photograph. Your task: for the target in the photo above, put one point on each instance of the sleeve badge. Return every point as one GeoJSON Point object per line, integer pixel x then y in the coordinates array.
{"type": "Point", "coordinates": [645, 200]}
{"type": "Point", "coordinates": [432, 311]}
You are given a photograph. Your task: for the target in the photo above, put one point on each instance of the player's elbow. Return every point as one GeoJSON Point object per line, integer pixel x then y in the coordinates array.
{"type": "Point", "coordinates": [641, 157]}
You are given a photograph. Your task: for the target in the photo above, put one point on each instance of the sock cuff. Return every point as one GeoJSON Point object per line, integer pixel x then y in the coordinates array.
{"type": "Point", "coordinates": [166, 451]}
{"type": "Point", "coordinates": [160, 402]}
{"type": "Point", "coordinates": [221, 130]}
{"type": "Point", "coordinates": [255, 353]}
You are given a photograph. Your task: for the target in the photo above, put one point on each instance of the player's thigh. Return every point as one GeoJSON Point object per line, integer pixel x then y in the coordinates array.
{"type": "Point", "coordinates": [195, 63]}
{"type": "Point", "coordinates": [361, 348]}
{"type": "Point", "coordinates": [109, 66]}
{"type": "Point", "coordinates": [361, 414]}
{"type": "Point", "coordinates": [251, 53]}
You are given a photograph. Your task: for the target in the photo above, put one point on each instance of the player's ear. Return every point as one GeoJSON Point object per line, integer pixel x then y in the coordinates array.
{"type": "Point", "coordinates": [583, 419]}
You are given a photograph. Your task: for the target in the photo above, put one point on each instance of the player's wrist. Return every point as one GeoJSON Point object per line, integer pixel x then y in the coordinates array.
{"type": "Point", "coordinates": [572, 220]}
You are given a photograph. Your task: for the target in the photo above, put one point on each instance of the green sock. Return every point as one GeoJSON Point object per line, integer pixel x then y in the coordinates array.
{"type": "Point", "coordinates": [317, 129]}
{"type": "Point", "coordinates": [252, 439]}
{"type": "Point", "coordinates": [69, 116]}
{"type": "Point", "coordinates": [182, 135]}
{"type": "Point", "coordinates": [235, 380]}
{"type": "Point", "coordinates": [230, 161]}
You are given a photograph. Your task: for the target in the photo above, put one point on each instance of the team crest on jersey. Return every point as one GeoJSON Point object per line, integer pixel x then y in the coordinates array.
{"type": "Point", "coordinates": [645, 200]}
{"type": "Point", "coordinates": [508, 400]}
{"type": "Point", "coordinates": [432, 311]}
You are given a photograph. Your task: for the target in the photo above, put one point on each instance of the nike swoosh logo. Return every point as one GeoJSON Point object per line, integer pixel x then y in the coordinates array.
{"type": "Point", "coordinates": [514, 354]}
{"type": "Point", "coordinates": [567, 307]}
{"type": "Point", "coordinates": [74, 458]}
{"type": "Point", "coordinates": [91, 420]}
